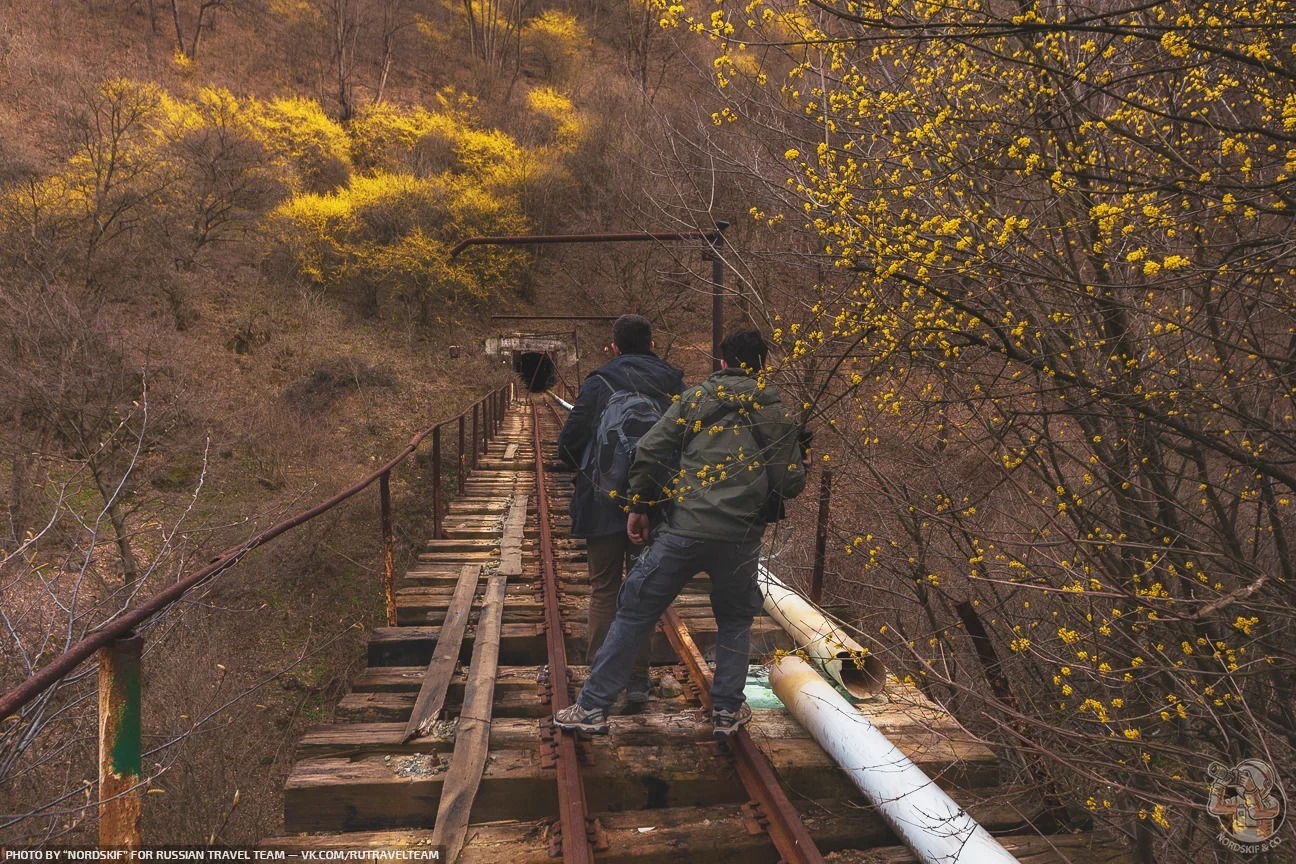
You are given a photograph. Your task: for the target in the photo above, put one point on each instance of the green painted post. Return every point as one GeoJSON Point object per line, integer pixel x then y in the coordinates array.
{"type": "Point", "coordinates": [120, 764]}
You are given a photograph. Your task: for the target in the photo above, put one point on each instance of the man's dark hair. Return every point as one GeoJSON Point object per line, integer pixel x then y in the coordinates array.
{"type": "Point", "coordinates": [632, 334]}
{"type": "Point", "coordinates": [744, 348]}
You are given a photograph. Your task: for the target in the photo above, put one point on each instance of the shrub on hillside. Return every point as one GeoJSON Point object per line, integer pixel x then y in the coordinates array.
{"type": "Point", "coordinates": [556, 41]}
{"type": "Point", "coordinates": [389, 235]}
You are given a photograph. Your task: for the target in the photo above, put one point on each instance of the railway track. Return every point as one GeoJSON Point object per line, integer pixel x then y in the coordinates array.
{"type": "Point", "coordinates": [444, 739]}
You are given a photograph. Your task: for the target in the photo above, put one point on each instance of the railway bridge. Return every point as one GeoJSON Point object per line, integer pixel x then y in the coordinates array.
{"type": "Point", "coordinates": [444, 741]}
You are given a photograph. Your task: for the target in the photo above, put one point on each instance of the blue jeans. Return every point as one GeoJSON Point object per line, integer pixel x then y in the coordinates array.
{"type": "Point", "coordinates": [657, 578]}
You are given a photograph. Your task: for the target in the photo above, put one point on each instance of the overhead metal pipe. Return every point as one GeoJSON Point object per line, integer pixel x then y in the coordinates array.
{"type": "Point", "coordinates": [626, 237]}
{"type": "Point", "coordinates": [925, 818]}
{"type": "Point", "coordinates": [554, 317]}
{"type": "Point", "coordinates": [842, 658]}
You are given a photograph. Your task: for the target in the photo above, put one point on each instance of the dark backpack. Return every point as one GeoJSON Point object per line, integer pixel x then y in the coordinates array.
{"type": "Point", "coordinates": [626, 417]}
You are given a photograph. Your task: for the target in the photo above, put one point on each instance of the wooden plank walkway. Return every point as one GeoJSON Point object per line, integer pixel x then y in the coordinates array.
{"type": "Point", "coordinates": [478, 776]}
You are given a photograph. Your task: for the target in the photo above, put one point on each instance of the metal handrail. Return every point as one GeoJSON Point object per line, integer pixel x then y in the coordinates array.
{"type": "Point", "coordinates": [125, 624]}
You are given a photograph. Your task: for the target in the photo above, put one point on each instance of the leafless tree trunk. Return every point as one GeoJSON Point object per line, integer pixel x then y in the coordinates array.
{"type": "Point", "coordinates": [395, 19]}
{"type": "Point", "coordinates": [343, 19]}
{"type": "Point", "coordinates": [205, 9]}
{"type": "Point", "coordinates": [113, 507]}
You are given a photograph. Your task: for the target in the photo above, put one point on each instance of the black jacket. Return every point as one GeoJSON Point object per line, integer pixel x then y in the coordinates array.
{"type": "Point", "coordinates": [647, 374]}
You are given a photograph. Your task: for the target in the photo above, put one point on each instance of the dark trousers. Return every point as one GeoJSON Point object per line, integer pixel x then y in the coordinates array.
{"type": "Point", "coordinates": [609, 558]}
{"type": "Point", "coordinates": [656, 579]}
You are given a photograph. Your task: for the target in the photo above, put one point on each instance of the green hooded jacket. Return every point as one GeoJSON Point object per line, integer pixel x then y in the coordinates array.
{"type": "Point", "coordinates": [703, 460]}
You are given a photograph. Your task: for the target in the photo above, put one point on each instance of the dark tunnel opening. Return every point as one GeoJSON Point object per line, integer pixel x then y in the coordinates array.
{"type": "Point", "coordinates": [536, 368]}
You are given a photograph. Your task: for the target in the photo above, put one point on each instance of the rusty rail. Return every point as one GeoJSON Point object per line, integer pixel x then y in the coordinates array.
{"type": "Point", "coordinates": [775, 812]}
{"type": "Point", "coordinates": [573, 813]}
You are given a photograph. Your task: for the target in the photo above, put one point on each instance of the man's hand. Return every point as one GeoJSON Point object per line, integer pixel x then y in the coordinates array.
{"type": "Point", "coordinates": [805, 437]}
{"type": "Point", "coordinates": [637, 528]}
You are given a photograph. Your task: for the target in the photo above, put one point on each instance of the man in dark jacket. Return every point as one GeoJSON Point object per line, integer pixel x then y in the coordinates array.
{"type": "Point", "coordinates": [728, 449]}
{"type": "Point", "coordinates": [595, 516]}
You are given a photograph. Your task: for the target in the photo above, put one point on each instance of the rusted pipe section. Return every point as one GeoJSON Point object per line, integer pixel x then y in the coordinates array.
{"type": "Point", "coordinates": [785, 829]}
{"type": "Point", "coordinates": [573, 813]}
{"type": "Point", "coordinates": [842, 658]}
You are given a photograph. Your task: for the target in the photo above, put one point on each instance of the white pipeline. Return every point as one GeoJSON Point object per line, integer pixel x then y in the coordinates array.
{"type": "Point", "coordinates": [841, 657]}
{"type": "Point", "coordinates": [929, 822]}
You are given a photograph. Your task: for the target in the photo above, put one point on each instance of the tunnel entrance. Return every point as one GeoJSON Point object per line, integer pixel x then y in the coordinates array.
{"type": "Point", "coordinates": [536, 369]}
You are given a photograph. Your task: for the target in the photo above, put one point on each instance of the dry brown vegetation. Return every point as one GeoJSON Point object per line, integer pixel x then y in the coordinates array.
{"type": "Point", "coordinates": [224, 289]}
{"type": "Point", "coordinates": [225, 293]}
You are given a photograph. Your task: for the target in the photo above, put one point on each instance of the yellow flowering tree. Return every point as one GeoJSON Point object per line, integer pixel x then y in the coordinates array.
{"type": "Point", "coordinates": [1053, 325]}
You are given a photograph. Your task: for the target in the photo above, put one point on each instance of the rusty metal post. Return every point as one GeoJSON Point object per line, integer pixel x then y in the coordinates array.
{"type": "Point", "coordinates": [389, 544]}
{"type": "Point", "coordinates": [717, 292]}
{"type": "Point", "coordinates": [476, 406]}
{"type": "Point", "coordinates": [717, 309]}
{"type": "Point", "coordinates": [437, 531]}
{"type": "Point", "coordinates": [462, 465]}
{"type": "Point", "coordinates": [576, 351]}
{"type": "Point", "coordinates": [821, 537]}
{"type": "Point", "coordinates": [1055, 813]}
{"type": "Point", "coordinates": [121, 796]}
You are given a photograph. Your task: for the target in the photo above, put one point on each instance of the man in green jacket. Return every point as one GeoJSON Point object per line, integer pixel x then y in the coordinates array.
{"type": "Point", "coordinates": [720, 456]}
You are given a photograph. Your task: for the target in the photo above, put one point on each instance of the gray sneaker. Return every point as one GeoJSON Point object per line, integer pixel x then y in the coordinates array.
{"type": "Point", "coordinates": [639, 692]}
{"type": "Point", "coordinates": [729, 722]}
{"type": "Point", "coordinates": [574, 718]}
